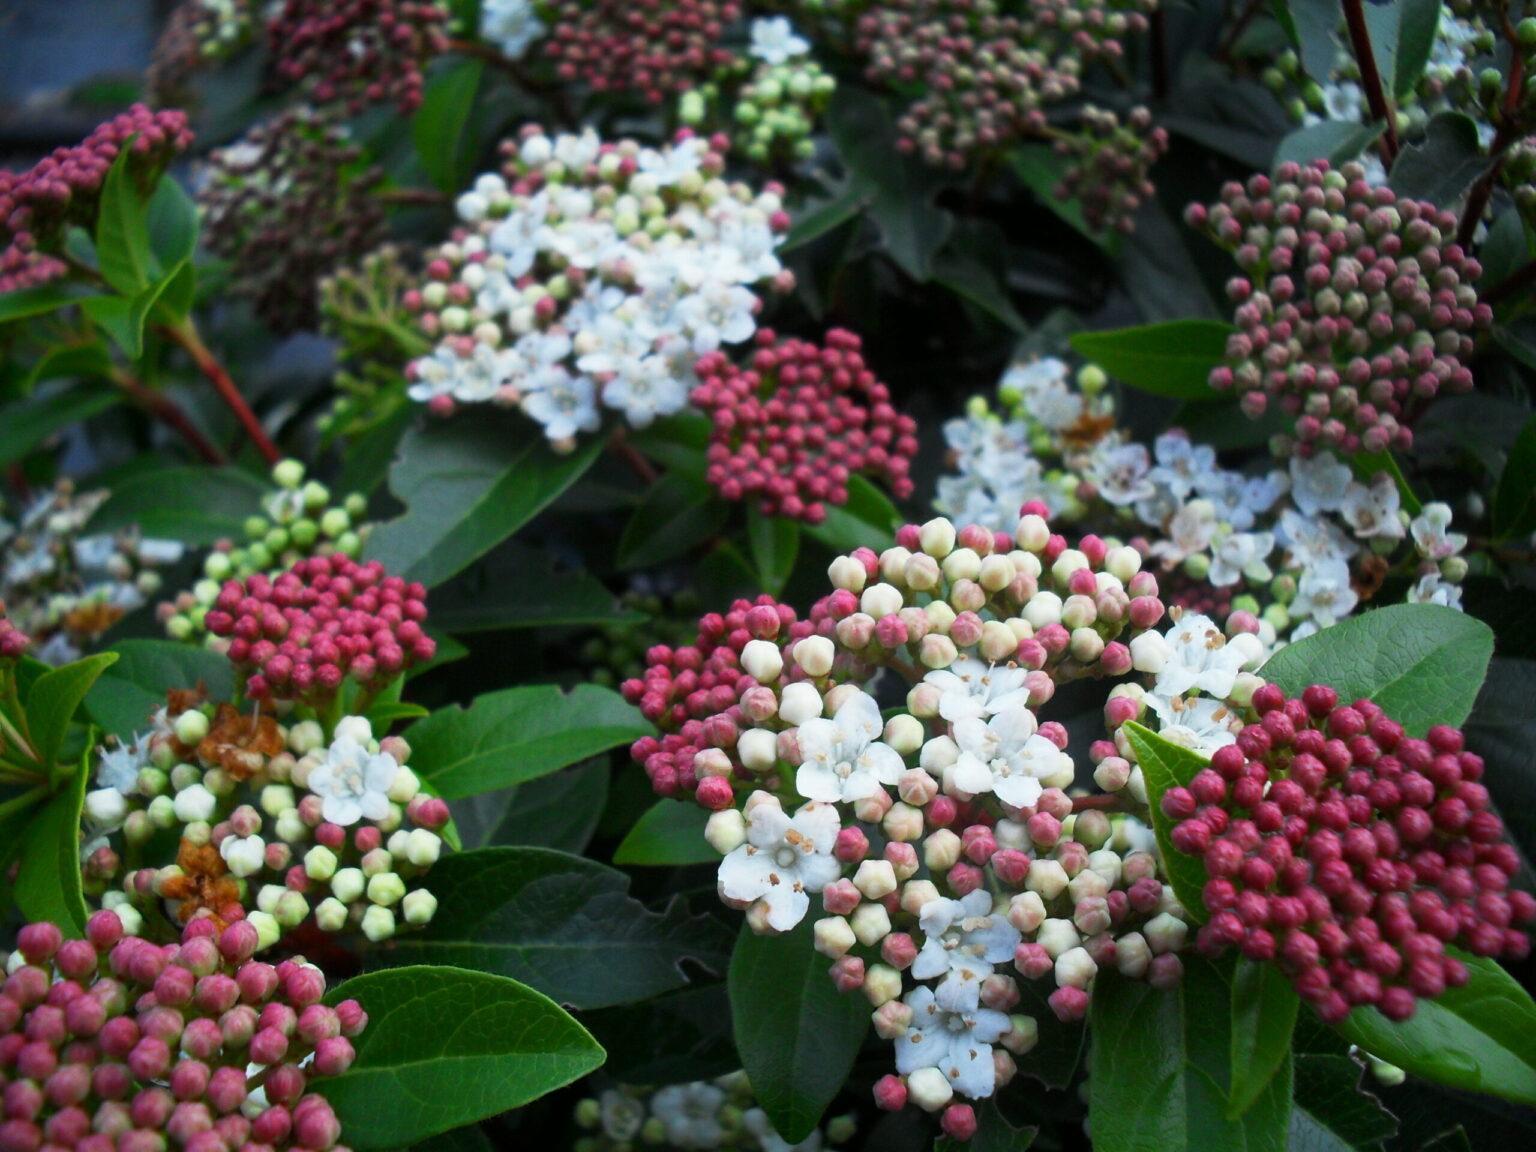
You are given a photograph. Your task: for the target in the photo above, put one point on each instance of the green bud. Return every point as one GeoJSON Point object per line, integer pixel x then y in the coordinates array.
{"type": "Point", "coordinates": [288, 473]}
{"type": "Point", "coordinates": [335, 522]}
{"type": "Point", "coordinates": [304, 533]}
{"type": "Point", "coordinates": [256, 527]}
{"type": "Point", "coordinates": [331, 915]}
{"type": "Point", "coordinates": [276, 540]}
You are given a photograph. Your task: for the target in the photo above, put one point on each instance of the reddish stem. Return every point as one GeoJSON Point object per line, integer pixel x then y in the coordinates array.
{"type": "Point", "coordinates": [619, 444]}
{"type": "Point", "coordinates": [171, 414]}
{"type": "Point", "coordinates": [186, 336]}
{"type": "Point", "coordinates": [1102, 803]}
{"type": "Point", "coordinates": [1370, 78]}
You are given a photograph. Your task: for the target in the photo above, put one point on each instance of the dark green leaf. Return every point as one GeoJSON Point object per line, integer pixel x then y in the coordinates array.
{"type": "Point", "coordinates": [1441, 168]}
{"type": "Point", "coordinates": [47, 885]}
{"type": "Point", "coordinates": [775, 542]}
{"type": "Point", "coordinates": [1518, 338]}
{"type": "Point", "coordinates": [193, 504]}
{"type": "Point", "coordinates": [1505, 250]}
{"type": "Point", "coordinates": [557, 811]}
{"type": "Point", "coordinates": [117, 317]}
{"type": "Point", "coordinates": [1174, 358]}
{"type": "Point", "coordinates": [1166, 765]}
{"type": "Point", "coordinates": [673, 1039]}
{"type": "Point", "coordinates": [122, 230]}
{"type": "Point", "coordinates": [562, 924]}
{"type": "Point", "coordinates": [47, 411]}
{"type": "Point", "coordinates": [814, 221]}
{"type": "Point", "coordinates": [1160, 1069]}
{"type": "Point", "coordinates": [1313, 26]}
{"type": "Point", "coordinates": [445, 1047]}
{"type": "Point", "coordinates": [522, 587]}
{"type": "Point", "coordinates": [468, 484]}
{"type": "Point", "coordinates": [1058, 1047]}
{"type": "Point", "coordinates": [994, 1133]}
{"type": "Point", "coordinates": [868, 519]}
{"type": "Point", "coordinates": [669, 833]}
{"type": "Point", "coordinates": [974, 266]}
{"type": "Point", "coordinates": [1331, 140]}
{"type": "Point", "coordinates": [1422, 663]}
{"type": "Point", "coordinates": [1041, 170]}
{"type": "Point", "coordinates": [1330, 1089]}
{"type": "Point", "coordinates": [34, 301]}
{"type": "Point", "coordinates": [90, 361]}
{"type": "Point", "coordinates": [53, 699]}
{"type": "Point", "coordinates": [1481, 1037]}
{"type": "Point", "coordinates": [677, 513]}
{"type": "Point", "coordinates": [1418, 22]}
{"type": "Point", "coordinates": [439, 129]}
{"type": "Point", "coordinates": [518, 734]}
{"type": "Point", "coordinates": [797, 1034]}
{"type": "Point", "coordinates": [172, 223]}
{"type": "Point", "coordinates": [1263, 1017]}
{"type": "Point", "coordinates": [1514, 504]}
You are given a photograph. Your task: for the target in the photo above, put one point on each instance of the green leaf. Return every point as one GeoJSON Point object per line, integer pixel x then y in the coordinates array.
{"type": "Point", "coordinates": [562, 924]}
{"type": "Point", "coordinates": [468, 484]}
{"type": "Point", "coordinates": [797, 1034]}
{"type": "Point", "coordinates": [974, 266]}
{"type": "Point", "coordinates": [1160, 1069]}
{"type": "Point", "coordinates": [518, 734]}
{"type": "Point", "coordinates": [193, 504]}
{"type": "Point", "coordinates": [1418, 21]}
{"type": "Point", "coordinates": [813, 222]}
{"type": "Point", "coordinates": [677, 513]}
{"type": "Point", "coordinates": [1174, 358]}
{"type": "Point", "coordinates": [994, 1133]}
{"type": "Point", "coordinates": [1040, 169]}
{"type": "Point", "coordinates": [1442, 167]}
{"type": "Point", "coordinates": [1263, 1018]}
{"type": "Point", "coordinates": [47, 411]}
{"type": "Point", "coordinates": [439, 128]}
{"type": "Point", "coordinates": [115, 315]}
{"type": "Point", "coordinates": [89, 361]}
{"type": "Point", "coordinates": [445, 1047]}
{"type": "Point", "coordinates": [1330, 1091]}
{"type": "Point", "coordinates": [1422, 663]}
{"type": "Point", "coordinates": [1504, 251]}
{"type": "Point", "coordinates": [559, 811]}
{"type": "Point", "coordinates": [1333, 140]}
{"type": "Point", "coordinates": [52, 702]}
{"type": "Point", "coordinates": [34, 301]}
{"type": "Point", "coordinates": [522, 587]}
{"type": "Point", "coordinates": [1166, 765]}
{"type": "Point", "coordinates": [1518, 338]}
{"type": "Point", "coordinates": [172, 222]}
{"type": "Point", "coordinates": [775, 542]}
{"type": "Point", "coordinates": [122, 230]}
{"type": "Point", "coordinates": [674, 1039]}
{"type": "Point", "coordinates": [668, 834]}
{"type": "Point", "coordinates": [869, 518]}
{"type": "Point", "coordinates": [47, 883]}
{"type": "Point", "coordinates": [1514, 504]}
{"type": "Point", "coordinates": [1313, 27]}
{"type": "Point", "coordinates": [1481, 1037]}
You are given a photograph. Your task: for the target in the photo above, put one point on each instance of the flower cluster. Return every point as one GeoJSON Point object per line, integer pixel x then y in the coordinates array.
{"type": "Point", "coordinates": [66, 586]}
{"type": "Point", "coordinates": [511, 25]}
{"type": "Point", "coordinates": [38, 206]}
{"type": "Point", "coordinates": [286, 205]}
{"type": "Point", "coordinates": [781, 101]}
{"type": "Point", "coordinates": [1355, 306]}
{"type": "Point", "coordinates": [299, 519]}
{"type": "Point", "coordinates": [1299, 549]}
{"type": "Point", "coordinates": [1350, 854]}
{"type": "Point", "coordinates": [592, 274]}
{"type": "Point", "coordinates": [790, 430]}
{"type": "Point", "coordinates": [13, 641]}
{"type": "Point", "coordinates": [357, 52]}
{"type": "Point", "coordinates": [987, 75]}
{"type": "Point", "coordinates": [326, 619]}
{"type": "Point", "coordinates": [1108, 165]}
{"type": "Point", "coordinates": [198, 34]}
{"type": "Point", "coordinates": [651, 50]}
{"type": "Point", "coordinates": [705, 1115]}
{"type": "Point", "coordinates": [112, 1042]}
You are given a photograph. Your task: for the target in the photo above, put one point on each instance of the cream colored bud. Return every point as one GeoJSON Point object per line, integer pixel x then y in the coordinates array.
{"type": "Point", "coordinates": [871, 924]}
{"type": "Point", "coordinates": [880, 600]}
{"type": "Point", "coordinates": [937, 537]}
{"type": "Point", "coordinates": [893, 565]}
{"type": "Point", "coordinates": [847, 574]}
{"type": "Point", "coordinates": [961, 564]}
{"type": "Point", "coordinates": [726, 830]}
{"type": "Point", "coordinates": [1032, 533]}
{"type": "Point", "coordinates": [923, 700]}
{"type": "Point", "coordinates": [882, 984]}
{"type": "Point", "coordinates": [1057, 936]}
{"type": "Point", "coordinates": [1046, 877]}
{"type": "Point", "coordinates": [762, 660]}
{"type": "Point", "coordinates": [938, 754]}
{"type": "Point", "coordinates": [916, 893]}
{"type": "Point", "coordinates": [833, 937]}
{"type": "Point", "coordinates": [904, 733]}
{"type": "Point", "coordinates": [814, 654]}
{"type": "Point", "coordinates": [875, 879]}
{"type": "Point", "coordinates": [758, 750]}
{"type": "Point", "coordinates": [921, 573]}
{"type": "Point", "coordinates": [903, 823]}
{"type": "Point", "coordinates": [940, 616]}
{"type": "Point", "coordinates": [799, 701]}
{"type": "Point", "coordinates": [1149, 653]}
{"type": "Point", "coordinates": [996, 573]}
{"type": "Point", "coordinates": [941, 851]}
{"type": "Point", "coordinates": [1026, 911]}
{"type": "Point", "coordinates": [1043, 608]}
{"type": "Point", "coordinates": [937, 651]}
{"type": "Point", "coordinates": [929, 1090]}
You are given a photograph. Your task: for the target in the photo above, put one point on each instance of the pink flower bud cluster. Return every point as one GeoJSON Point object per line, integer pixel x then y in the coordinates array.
{"type": "Point", "coordinates": [1350, 854]}
{"type": "Point", "coordinates": [790, 429]}
{"type": "Point", "coordinates": [287, 205]}
{"type": "Point", "coordinates": [115, 1044]}
{"type": "Point", "coordinates": [1109, 162]}
{"type": "Point", "coordinates": [1356, 307]}
{"type": "Point", "coordinates": [38, 206]}
{"type": "Point", "coordinates": [651, 49]}
{"type": "Point", "coordinates": [985, 77]}
{"type": "Point", "coordinates": [357, 52]}
{"type": "Point", "coordinates": [325, 619]}
{"type": "Point", "coordinates": [13, 641]}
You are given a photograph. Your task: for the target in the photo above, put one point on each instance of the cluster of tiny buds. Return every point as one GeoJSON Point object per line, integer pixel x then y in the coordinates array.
{"type": "Point", "coordinates": [357, 52]}
{"type": "Point", "coordinates": [1356, 307]}
{"type": "Point", "coordinates": [1350, 854]}
{"type": "Point", "coordinates": [790, 430]}
{"type": "Point", "coordinates": [1109, 166]}
{"type": "Point", "coordinates": [325, 619]}
{"type": "Point", "coordinates": [39, 205]}
{"type": "Point", "coordinates": [113, 1044]}
{"type": "Point", "coordinates": [13, 641]}
{"type": "Point", "coordinates": [651, 50]}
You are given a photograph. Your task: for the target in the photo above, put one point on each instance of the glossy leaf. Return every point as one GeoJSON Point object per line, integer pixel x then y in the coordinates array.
{"type": "Point", "coordinates": [518, 734]}
{"type": "Point", "coordinates": [1418, 21]}
{"type": "Point", "coordinates": [122, 230]}
{"type": "Point", "coordinates": [995, 1132]}
{"type": "Point", "coordinates": [1166, 765]}
{"type": "Point", "coordinates": [673, 1039]}
{"type": "Point", "coordinates": [88, 361]}
{"type": "Point", "coordinates": [1333, 140]}
{"type": "Point", "coordinates": [1331, 1092]}
{"type": "Point", "coordinates": [522, 587]}
{"type": "Point", "coordinates": [439, 129]}
{"type": "Point", "coordinates": [1367, 464]}
{"type": "Point", "coordinates": [562, 924]}
{"type": "Point", "coordinates": [196, 505]}
{"type": "Point", "coordinates": [53, 699]}
{"type": "Point", "coordinates": [48, 884]}
{"type": "Point", "coordinates": [468, 484]}
{"type": "Point", "coordinates": [172, 223]}
{"type": "Point", "coordinates": [1263, 1018]}
{"type": "Point", "coordinates": [1514, 504]}
{"type": "Point", "coordinates": [560, 810]}
{"type": "Point", "coordinates": [1170, 359]}
{"type": "Point", "coordinates": [817, 219]}
{"type": "Point", "coordinates": [797, 1034]}
{"type": "Point", "coordinates": [868, 519]}
{"type": "Point", "coordinates": [678, 513]}
{"type": "Point", "coordinates": [445, 1047]}
{"type": "Point", "coordinates": [669, 833]}
{"type": "Point", "coordinates": [1442, 167]}
{"type": "Point", "coordinates": [1480, 1037]}
{"type": "Point", "coordinates": [775, 542]}
{"type": "Point", "coordinates": [39, 301]}
{"type": "Point", "coordinates": [1422, 663]}
{"type": "Point", "coordinates": [1160, 1069]}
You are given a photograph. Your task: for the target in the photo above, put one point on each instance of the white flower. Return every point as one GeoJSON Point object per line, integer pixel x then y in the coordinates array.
{"type": "Point", "coordinates": [516, 239]}
{"type": "Point", "coordinates": [1372, 511]}
{"type": "Point", "coordinates": [353, 783]}
{"type": "Point", "coordinates": [675, 162]}
{"type": "Point", "coordinates": [1189, 531]}
{"type": "Point", "coordinates": [1181, 465]}
{"type": "Point", "coordinates": [645, 389]}
{"type": "Point", "coordinates": [1430, 535]}
{"type": "Point", "coordinates": [774, 40]}
{"type": "Point", "coordinates": [1119, 471]}
{"type": "Point", "coordinates": [511, 25]}
{"type": "Point", "coordinates": [119, 767]}
{"type": "Point", "coordinates": [963, 942]}
{"type": "Point", "coordinates": [621, 1115]}
{"type": "Point", "coordinates": [690, 1114]}
{"type": "Point", "coordinates": [194, 803]}
{"type": "Point", "coordinates": [1199, 656]}
{"type": "Point", "coordinates": [1241, 556]}
{"type": "Point", "coordinates": [577, 152]}
{"type": "Point", "coordinates": [971, 688]}
{"type": "Point", "coordinates": [1005, 755]}
{"type": "Point", "coordinates": [755, 1121]}
{"type": "Point", "coordinates": [245, 855]}
{"type": "Point", "coordinates": [1310, 540]}
{"type": "Point", "coordinates": [958, 1044]}
{"type": "Point", "coordinates": [1201, 724]}
{"type": "Point", "coordinates": [718, 314]}
{"type": "Point", "coordinates": [1055, 406]}
{"type": "Point", "coordinates": [563, 403]}
{"type": "Point", "coordinates": [1432, 590]}
{"type": "Point", "coordinates": [1318, 484]}
{"type": "Point", "coordinates": [844, 760]}
{"type": "Point", "coordinates": [1323, 594]}
{"type": "Point", "coordinates": [783, 859]}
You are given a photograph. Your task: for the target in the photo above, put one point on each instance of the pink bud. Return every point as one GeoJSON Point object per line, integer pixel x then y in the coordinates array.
{"type": "Point", "coordinates": [890, 1093]}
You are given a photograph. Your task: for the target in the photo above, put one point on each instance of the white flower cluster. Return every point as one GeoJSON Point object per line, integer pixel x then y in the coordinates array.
{"type": "Point", "coordinates": [1199, 671]}
{"type": "Point", "coordinates": [594, 275]}
{"type": "Point", "coordinates": [511, 25]}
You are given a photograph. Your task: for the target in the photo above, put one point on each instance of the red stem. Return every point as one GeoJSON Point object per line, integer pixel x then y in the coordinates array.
{"type": "Point", "coordinates": [186, 336]}
{"type": "Point", "coordinates": [1102, 803]}
{"type": "Point", "coordinates": [619, 444]}
{"type": "Point", "coordinates": [171, 413]}
{"type": "Point", "coordinates": [1508, 133]}
{"type": "Point", "coordinates": [1370, 78]}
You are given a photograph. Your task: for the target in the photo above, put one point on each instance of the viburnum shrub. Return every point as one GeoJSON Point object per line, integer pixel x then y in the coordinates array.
{"type": "Point", "coordinates": [1033, 502]}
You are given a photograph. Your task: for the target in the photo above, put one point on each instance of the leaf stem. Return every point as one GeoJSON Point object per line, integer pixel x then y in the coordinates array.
{"type": "Point", "coordinates": [620, 446]}
{"type": "Point", "coordinates": [24, 801]}
{"type": "Point", "coordinates": [1239, 26]}
{"type": "Point", "coordinates": [1370, 78]}
{"type": "Point", "coordinates": [162, 407]}
{"type": "Point", "coordinates": [185, 335]}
